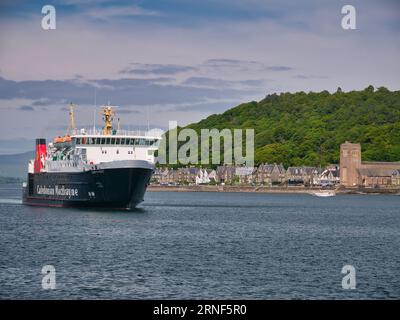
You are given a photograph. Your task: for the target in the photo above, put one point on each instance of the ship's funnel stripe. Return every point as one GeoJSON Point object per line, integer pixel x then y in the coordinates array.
{"type": "Point", "coordinates": [40, 154]}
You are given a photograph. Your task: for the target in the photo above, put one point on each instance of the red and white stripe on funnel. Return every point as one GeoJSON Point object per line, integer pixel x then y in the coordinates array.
{"type": "Point", "coordinates": [40, 155]}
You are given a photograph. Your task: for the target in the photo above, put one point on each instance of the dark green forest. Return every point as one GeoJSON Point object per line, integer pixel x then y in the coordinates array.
{"type": "Point", "coordinates": [307, 128]}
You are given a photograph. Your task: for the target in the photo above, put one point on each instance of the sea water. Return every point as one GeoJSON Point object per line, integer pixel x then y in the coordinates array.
{"type": "Point", "coordinates": [200, 245]}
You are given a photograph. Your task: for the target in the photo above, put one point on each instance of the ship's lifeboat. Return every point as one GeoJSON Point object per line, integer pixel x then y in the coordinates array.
{"type": "Point", "coordinates": [58, 139]}
{"type": "Point", "coordinates": [62, 142]}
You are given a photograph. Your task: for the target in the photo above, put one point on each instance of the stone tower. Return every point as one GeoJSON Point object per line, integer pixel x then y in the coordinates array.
{"type": "Point", "coordinates": [350, 161]}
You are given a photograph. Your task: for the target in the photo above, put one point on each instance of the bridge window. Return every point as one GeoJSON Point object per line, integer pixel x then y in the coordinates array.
{"type": "Point", "coordinates": [97, 140]}
{"type": "Point", "coordinates": [118, 141]}
{"type": "Point", "coordinates": [108, 140]}
{"type": "Point", "coordinates": [112, 140]}
{"type": "Point", "coordinates": [123, 141]}
{"type": "Point", "coordinates": [103, 140]}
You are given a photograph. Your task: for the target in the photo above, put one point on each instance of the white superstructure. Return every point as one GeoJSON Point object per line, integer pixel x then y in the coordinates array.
{"type": "Point", "coordinates": [83, 149]}
{"type": "Point", "coordinates": [118, 146]}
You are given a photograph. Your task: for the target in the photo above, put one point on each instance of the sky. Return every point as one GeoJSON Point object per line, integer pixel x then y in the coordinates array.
{"type": "Point", "coordinates": [180, 60]}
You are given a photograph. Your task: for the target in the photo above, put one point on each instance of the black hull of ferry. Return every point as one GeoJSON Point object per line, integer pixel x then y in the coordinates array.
{"type": "Point", "coordinates": [115, 188]}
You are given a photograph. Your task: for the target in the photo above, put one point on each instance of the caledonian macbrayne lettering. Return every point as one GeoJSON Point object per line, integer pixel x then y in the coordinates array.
{"type": "Point", "coordinates": [92, 168]}
{"type": "Point", "coordinates": [57, 190]}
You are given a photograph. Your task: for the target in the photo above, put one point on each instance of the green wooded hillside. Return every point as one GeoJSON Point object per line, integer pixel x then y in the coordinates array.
{"type": "Point", "coordinates": [307, 128]}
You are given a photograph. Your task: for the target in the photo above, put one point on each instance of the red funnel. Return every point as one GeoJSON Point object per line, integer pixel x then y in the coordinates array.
{"type": "Point", "coordinates": [40, 155]}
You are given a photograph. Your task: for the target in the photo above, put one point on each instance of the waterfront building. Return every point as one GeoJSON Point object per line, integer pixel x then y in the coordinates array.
{"type": "Point", "coordinates": [165, 176]}
{"type": "Point", "coordinates": [356, 173]}
{"type": "Point", "coordinates": [396, 177]}
{"type": "Point", "coordinates": [212, 175]}
{"type": "Point", "coordinates": [202, 177]}
{"type": "Point", "coordinates": [226, 174]}
{"type": "Point", "coordinates": [156, 176]}
{"type": "Point", "coordinates": [270, 174]}
{"type": "Point", "coordinates": [187, 175]}
{"type": "Point", "coordinates": [330, 177]}
{"type": "Point", "coordinates": [374, 177]}
{"type": "Point", "coordinates": [244, 175]}
{"type": "Point", "coordinates": [306, 176]}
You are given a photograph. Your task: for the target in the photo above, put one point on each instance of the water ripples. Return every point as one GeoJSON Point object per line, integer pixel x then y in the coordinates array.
{"type": "Point", "coordinates": [204, 245]}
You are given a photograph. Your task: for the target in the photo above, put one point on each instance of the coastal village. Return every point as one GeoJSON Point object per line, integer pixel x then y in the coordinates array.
{"type": "Point", "coordinates": [351, 172]}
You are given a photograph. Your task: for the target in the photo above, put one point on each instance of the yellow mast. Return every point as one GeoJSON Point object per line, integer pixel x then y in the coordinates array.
{"type": "Point", "coordinates": [108, 114]}
{"type": "Point", "coordinates": [71, 118]}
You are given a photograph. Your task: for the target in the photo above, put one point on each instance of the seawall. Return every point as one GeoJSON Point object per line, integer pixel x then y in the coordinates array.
{"type": "Point", "coordinates": [264, 189]}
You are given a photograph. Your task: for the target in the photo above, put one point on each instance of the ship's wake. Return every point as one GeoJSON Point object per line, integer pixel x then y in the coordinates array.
{"type": "Point", "coordinates": [10, 201]}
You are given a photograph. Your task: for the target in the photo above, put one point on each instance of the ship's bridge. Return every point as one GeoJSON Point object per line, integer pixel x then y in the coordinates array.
{"type": "Point", "coordinates": [95, 146]}
{"type": "Point", "coordinates": [98, 147]}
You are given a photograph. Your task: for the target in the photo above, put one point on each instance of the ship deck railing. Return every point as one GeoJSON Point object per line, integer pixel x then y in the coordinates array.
{"type": "Point", "coordinates": [121, 132]}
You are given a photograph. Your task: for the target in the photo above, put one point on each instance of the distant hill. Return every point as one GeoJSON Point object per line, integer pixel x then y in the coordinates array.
{"type": "Point", "coordinates": [15, 165]}
{"type": "Point", "coordinates": [307, 128]}
{"type": "Point", "coordinates": [17, 145]}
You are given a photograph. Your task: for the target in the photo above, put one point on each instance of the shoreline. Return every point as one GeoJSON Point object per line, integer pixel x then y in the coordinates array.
{"type": "Point", "coordinates": [263, 189]}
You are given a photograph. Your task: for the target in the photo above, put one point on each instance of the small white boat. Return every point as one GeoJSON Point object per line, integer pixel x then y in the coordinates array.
{"type": "Point", "coordinates": [324, 193]}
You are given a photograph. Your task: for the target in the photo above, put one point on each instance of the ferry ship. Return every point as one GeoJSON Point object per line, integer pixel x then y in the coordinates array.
{"type": "Point", "coordinates": [107, 168]}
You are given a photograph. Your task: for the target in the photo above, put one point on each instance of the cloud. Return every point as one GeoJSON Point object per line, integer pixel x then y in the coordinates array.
{"type": "Point", "coordinates": [233, 64]}
{"type": "Point", "coordinates": [26, 108]}
{"type": "Point", "coordinates": [220, 83]}
{"type": "Point", "coordinates": [306, 77]}
{"type": "Point", "coordinates": [214, 107]}
{"type": "Point", "coordinates": [278, 68]}
{"type": "Point", "coordinates": [229, 62]}
{"type": "Point", "coordinates": [114, 12]}
{"type": "Point", "coordinates": [156, 69]}
{"type": "Point", "coordinates": [127, 111]}
{"type": "Point", "coordinates": [222, 66]}
{"type": "Point", "coordinates": [244, 65]}
{"type": "Point", "coordinates": [121, 92]}
{"type": "Point", "coordinates": [189, 56]}
{"type": "Point", "coordinates": [41, 102]}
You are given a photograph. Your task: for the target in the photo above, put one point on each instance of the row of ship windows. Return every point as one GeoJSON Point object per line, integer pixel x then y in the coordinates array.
{"type": "Point", "coordinates": [117, 152]}
{"type": "Point", "coordinates": [65, 164]}
{"type": "Point", "coordinates": [115, 141]}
